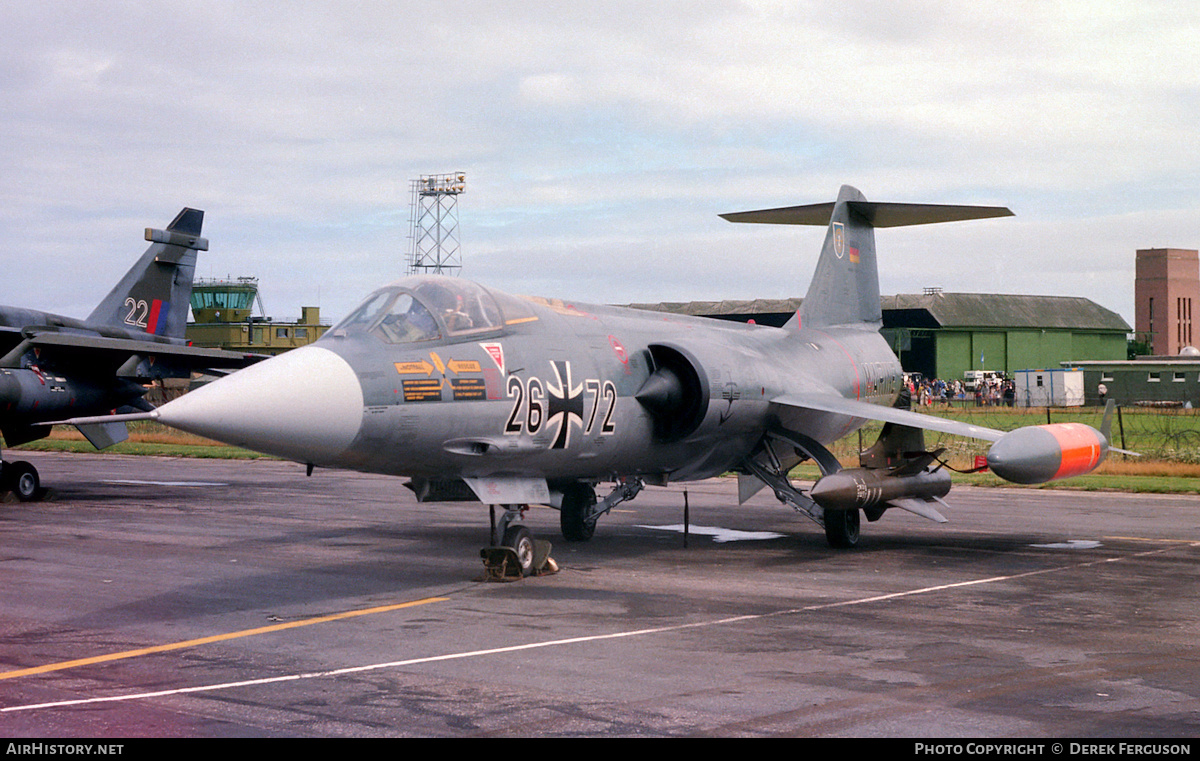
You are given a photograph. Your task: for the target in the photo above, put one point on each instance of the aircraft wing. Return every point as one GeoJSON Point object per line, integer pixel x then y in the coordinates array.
{"type": "Point", "coordinates": [854, 408]}
{"type": "Point", "coordinates": [9, 337]}
{"type": "Point", "coordinates": [92, 352]}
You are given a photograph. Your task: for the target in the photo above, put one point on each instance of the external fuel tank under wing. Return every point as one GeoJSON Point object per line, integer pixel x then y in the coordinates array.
{"type": "Point", "coordinates": [474, 394]}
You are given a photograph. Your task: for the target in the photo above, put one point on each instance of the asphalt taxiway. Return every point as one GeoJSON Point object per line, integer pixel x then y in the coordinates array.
{"type": "Point", "coordinates": [170, 597]}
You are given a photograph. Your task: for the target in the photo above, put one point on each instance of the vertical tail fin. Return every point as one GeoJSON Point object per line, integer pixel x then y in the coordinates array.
{"type": "Point", "coordinates": [845, 287]}
{"type": "Point", "coordinates": [153, 295]}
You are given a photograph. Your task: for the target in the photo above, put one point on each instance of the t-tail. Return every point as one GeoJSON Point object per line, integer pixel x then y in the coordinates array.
{"type": "Point", "coordinates": [154, 294]}
{"type": "Point", "coordinates": [845, 286]}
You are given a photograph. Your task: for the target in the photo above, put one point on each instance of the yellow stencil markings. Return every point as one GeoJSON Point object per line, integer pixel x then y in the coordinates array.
{"type": "Point", "coordinates": [215, 638]}
{"type": "Point", "coordinates": [414, 368]}
{"type": "Point", "coordinates": [437, 361]}
{"type": "Point", "coordinates": [459, 366]}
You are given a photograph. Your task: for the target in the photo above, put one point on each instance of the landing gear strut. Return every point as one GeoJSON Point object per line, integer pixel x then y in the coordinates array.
{"type": "Point", "coordinates": [518, 553]}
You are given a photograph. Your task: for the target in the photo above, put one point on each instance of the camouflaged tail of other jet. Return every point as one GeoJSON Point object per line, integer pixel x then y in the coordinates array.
{"type": "Point", "coordinates": [52, 366]}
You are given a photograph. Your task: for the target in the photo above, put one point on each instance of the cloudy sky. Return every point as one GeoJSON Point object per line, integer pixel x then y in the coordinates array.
{"type": "Point", "coordinates": [599, 140]}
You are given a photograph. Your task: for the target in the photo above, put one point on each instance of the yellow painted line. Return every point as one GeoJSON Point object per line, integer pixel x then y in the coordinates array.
{"type": "Point", "coordinates": [215, 638]}
{"type": "Point", "coordinates": [1147, 539]}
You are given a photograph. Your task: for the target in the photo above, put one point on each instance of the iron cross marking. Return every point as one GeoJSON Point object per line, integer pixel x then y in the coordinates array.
{"type": "Point", "coordinates": [564, 402]}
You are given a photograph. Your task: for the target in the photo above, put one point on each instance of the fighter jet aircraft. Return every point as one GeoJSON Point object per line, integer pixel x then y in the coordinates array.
{"type": "Point", "coordinates": [51, 366]}
{"type": "Point", "coordinates": [473, 394]}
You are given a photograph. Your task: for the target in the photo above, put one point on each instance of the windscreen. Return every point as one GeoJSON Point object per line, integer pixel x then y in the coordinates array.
{"type": "Point", "coordinates": [424, 309]}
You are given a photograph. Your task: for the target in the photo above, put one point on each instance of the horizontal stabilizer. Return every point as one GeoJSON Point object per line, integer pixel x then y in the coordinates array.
{"type": "Point", "coordinates": [875, 213]}
{"type": "Point", "coordinates": [844, 289]}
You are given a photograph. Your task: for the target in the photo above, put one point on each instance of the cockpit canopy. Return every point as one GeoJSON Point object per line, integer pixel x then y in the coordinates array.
{"type": "Point", "coordinates": [427, 308]}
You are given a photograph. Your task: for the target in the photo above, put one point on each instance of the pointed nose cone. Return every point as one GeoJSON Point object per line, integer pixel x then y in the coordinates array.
{"type": "Point", "coordinates": [305, 405]}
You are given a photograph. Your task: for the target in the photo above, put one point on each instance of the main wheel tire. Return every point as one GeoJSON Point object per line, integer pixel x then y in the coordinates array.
{"type": "Point", "coordinates": [22, 479]}
{"type": "Point", "coordinates": [520, 539]}
{"type": "Point", "coordinates": [842, 528]}
{"type": "Point", "coordinates": [577, 503]}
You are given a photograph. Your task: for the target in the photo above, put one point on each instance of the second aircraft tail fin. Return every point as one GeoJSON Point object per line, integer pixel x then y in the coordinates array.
{"type": "Point", "coordinates": [153, 295]}
{"type": "Point", "coordinates": [845, 287]}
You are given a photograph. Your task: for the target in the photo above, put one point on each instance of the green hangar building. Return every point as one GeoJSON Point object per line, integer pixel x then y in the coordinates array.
{"type": "Point", "coordinates": [943, 335]}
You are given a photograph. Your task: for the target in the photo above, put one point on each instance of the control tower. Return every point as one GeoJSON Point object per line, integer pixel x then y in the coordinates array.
{"type": "Point", "coordinates": [223, 319]}
{"type": "Point", "coordinates": [434, 224]}
{"type": "Point", "coordinates": [225, 300]}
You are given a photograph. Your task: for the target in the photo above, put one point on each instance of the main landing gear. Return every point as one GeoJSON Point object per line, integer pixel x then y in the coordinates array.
{"type": "Point", "coordinates": [21, 479]}
{"type": "Point", "coordinates": [579, 510]}
{"type": "Point", "coordinates": [841, 526]}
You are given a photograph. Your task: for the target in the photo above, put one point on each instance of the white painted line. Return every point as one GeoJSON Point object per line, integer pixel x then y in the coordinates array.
{"type": "Point", "coordinates": [1070, 544]}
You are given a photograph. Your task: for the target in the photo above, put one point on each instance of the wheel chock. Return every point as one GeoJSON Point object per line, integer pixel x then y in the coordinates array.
{"type": "Point", "coordinates": [501, 563]}
{"type": "Point", "coordinates": [542, 562]}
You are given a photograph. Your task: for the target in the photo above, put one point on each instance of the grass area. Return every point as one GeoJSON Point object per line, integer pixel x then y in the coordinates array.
{"type": "Point", "coordinates": [1168, 439]}
{"type": "Point", "coordinates": [145, 438]}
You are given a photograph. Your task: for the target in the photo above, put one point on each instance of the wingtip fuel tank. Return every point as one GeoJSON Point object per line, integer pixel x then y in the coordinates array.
{"type": "Point", "coordinates": [1037, 454]}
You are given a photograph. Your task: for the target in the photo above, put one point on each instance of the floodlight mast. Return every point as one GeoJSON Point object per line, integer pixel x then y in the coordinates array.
{"type": "Point", "coordinates": [434, 224]}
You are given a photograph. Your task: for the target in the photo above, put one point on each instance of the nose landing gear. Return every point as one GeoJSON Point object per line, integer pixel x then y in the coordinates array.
{"type": "Point", "coordinates": [518, 554]}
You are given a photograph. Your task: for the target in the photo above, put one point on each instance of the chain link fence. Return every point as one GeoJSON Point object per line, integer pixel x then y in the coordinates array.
{"type": "Point", "coordinates": [1157, 434]}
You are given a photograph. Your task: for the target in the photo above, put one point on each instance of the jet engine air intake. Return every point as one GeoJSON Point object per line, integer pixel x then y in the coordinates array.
{"type": "Point", "coordinates": [675, 394]}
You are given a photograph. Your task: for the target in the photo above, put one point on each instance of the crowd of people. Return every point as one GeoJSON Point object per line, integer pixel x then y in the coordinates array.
{"type": "Point", "coordinates": [988, 392]}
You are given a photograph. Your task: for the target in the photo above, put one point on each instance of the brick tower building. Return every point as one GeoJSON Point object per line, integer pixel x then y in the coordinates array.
{"type": "Point", "coordinates": [1166, 290]}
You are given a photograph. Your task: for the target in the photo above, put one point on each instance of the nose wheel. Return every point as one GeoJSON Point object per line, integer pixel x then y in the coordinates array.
{"type": "Point", "coordinates": [518, 554]}
{"type": "Point", "coordinates": [520, 540]}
